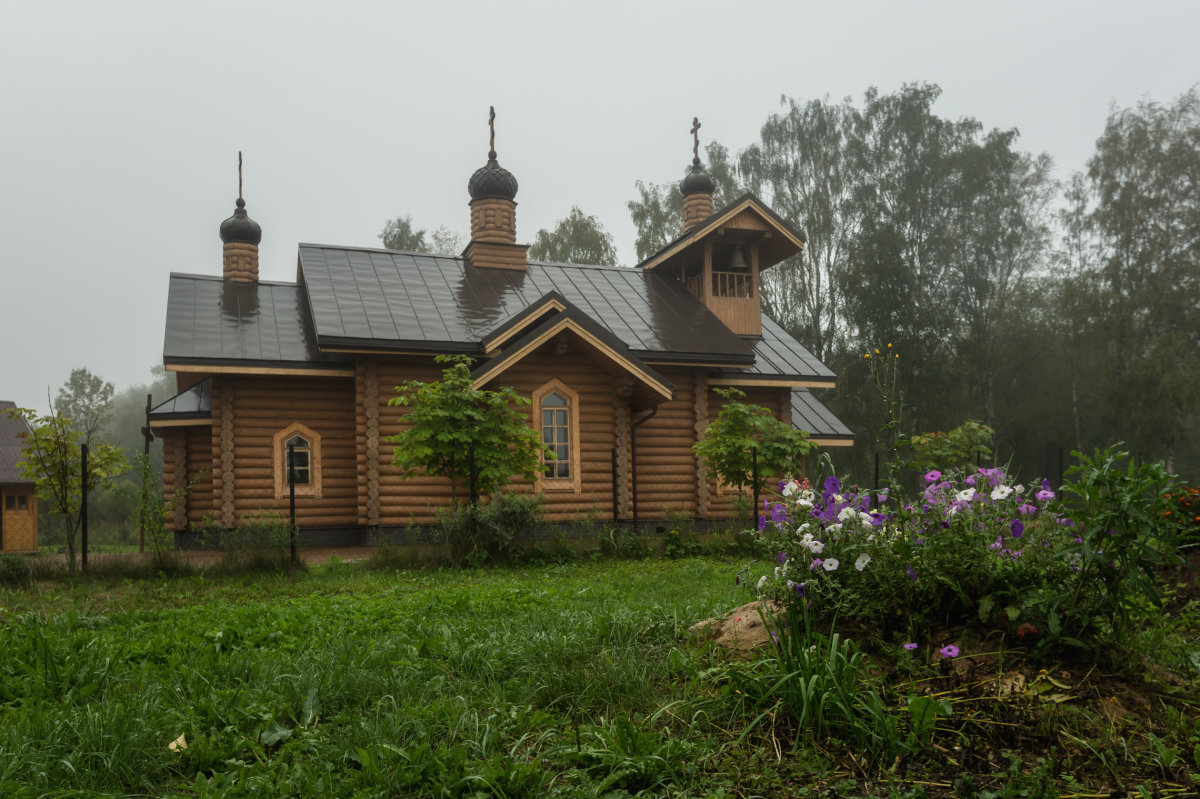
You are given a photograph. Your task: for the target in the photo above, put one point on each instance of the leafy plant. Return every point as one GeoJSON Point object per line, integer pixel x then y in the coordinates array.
{"type": "Point", "coordinates": [743, 435]}
{"type": "Point", "coordinates": [454, 428]}
{"type": "Point", "coordinates": [1116, 508]}
{"type": "Point", "coordinates": [962, 447]}
{"type": "Point", "coordinates": [51, 458]}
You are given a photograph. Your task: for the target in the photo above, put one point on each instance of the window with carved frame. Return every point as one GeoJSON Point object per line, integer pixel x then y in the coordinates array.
{"type": "Point", "coordinates": [305, 446]}
{"type": "Point", "coordinates": [556, 414]}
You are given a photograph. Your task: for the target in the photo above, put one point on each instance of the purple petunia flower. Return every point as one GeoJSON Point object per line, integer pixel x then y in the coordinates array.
{"type": "Point", "coordinates": [762, 523]}
{"type": "Point", "coordinates": [1025, 509]}
{"type": "Point", "coordinates": [911, 572]}
{"type": "Point", "coordinates": [910, 646]}
{"type": "Point", "coordinates": [832, 484]}
{"type": "Point", "coordinates": [778, 513]}
{"type": "Point", "coordinates": [781, 558]}
{"type": "Point", "coordinates": [931, 476]}
{"type": "Point", "coordinates": [815, 563]}
{"type": "Point", "coordinates": [1017, 528]}
{"type": "Point", "coordinates": [1044, 495]}
{"type": "Point", "coordinates": [949, 651]}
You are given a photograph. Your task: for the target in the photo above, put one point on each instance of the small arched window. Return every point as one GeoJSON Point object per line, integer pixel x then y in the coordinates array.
{"type": "Point", "coordinates": [556, 432]}
{"type": "Point", "coordinates": [305, 466]}
{"type": "Point", "coordinates": [298, 457]}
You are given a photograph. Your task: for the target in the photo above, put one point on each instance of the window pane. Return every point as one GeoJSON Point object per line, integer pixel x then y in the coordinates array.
{"type": "Point", "coordinates": [555, 399]}
{"type": "Point", "coordinates": [10, 502]}
{"type": "Point", "coordinates": [22, 502]}
{"type": "Point", "coordinates": [560, 418]}
{"type": "Point", "coordinates": [547, 417]}
{"type": "Point", "coordinates": [548, 435]}
{"type": "Point", "coordinates": [297, 442]}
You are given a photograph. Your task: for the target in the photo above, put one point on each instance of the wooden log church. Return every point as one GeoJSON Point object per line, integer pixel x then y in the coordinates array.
{"type": "Point", "coordinates": [620, 364]}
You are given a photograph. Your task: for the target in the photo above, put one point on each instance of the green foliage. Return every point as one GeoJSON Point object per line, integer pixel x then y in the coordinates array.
{"type": "Point", "coordinates": [399, 234]}
{"type": "Point", "coordinates": [577, 239]}
{"type": "Point", "coordinates": [86, 400]}
{"type": "Point", "coordinates": [964, 446]}
{"type": "Point", "coordinates": [741, 431]}
{"type": "Point", "coordinates": [51, 458]}
{"type": "Point", "coordinates": [1117, 508]}
{"type": "Point", "coordinates": [450, 419]}
{"type": "Point", "coordinates": [495, 531]}
{"type": "Point", "coordinates": [657, 214]}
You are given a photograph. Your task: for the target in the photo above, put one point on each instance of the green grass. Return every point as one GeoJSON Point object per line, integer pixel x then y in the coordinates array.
{"type": "Point", "coordinates": [347, 683]}
{"type": "Point", "coordinates": [556, 681]}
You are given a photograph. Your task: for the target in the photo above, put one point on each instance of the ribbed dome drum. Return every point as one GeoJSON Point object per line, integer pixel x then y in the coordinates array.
{"type": "Point", "coordinates": [492, 181]}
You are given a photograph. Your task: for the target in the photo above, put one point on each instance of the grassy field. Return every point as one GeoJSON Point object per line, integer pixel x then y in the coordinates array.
{"type": "Point", "coordinates": [576, 680]}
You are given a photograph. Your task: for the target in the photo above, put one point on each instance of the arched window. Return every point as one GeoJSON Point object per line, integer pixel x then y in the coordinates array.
{"type": "Point", "coordinates": [305, 466]}
{"type": "Point", "coordinates": [299, 452]}
{"type": "Point", "coordinates": [556, 411]}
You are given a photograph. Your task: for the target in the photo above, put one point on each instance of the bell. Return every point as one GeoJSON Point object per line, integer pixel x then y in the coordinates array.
{"type": "Point", "coordinates": [737, 261]}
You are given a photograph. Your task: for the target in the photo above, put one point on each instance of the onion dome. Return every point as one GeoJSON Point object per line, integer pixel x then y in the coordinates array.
{"type": "Point", "coordinates": [240, 228]}
{"type": "Point", "coordinates": [492, 180]}
{"type": "Point", "coordinates": [697, 181]}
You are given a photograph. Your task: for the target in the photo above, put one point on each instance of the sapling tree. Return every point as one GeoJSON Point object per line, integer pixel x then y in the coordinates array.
{"type": "Point", "coordinates": [450, 420]}
{"type": "Point", "coordinates": [742, 433]}
{"type": "Point", "coordinates": [51, 458]}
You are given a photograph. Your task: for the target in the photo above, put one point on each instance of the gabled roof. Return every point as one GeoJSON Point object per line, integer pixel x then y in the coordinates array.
{"type": "Point", "coordinates": [782, 242]}
{"type": "Point", "coordinates": [187, 407]}
{"type": "Point", "coordinates": [822, 426]}
{"type": "Point", "coordinates": [12, 432]}
{"type": "Point", "coordinates": [650, 386]}
{"type": "Point", "coordinates": [380, 300]}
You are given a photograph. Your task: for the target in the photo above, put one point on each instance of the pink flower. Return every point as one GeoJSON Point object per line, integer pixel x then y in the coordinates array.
{"type": "Point", "coordinates": [910, 646]}
{"type": "Point", "coordinates": [949, 651]}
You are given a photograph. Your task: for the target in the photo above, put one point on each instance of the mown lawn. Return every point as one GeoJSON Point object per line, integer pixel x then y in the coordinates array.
{"type": "Point", "coordinates": [576, 680]}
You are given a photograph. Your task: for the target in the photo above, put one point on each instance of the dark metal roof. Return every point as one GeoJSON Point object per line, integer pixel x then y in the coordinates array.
{"type": "Point", "coordinates": [375, 299]}
{"type": "Point", "coordinates": [810, 415]}
{"type": "Point", "coordinates": [11, 441]}
{"type": "Point", "coordinates": [216, 321]}
{"type": "Point", "coordinates": [195, 403]}
{"type": "Point", "coordinates": [778, 356]}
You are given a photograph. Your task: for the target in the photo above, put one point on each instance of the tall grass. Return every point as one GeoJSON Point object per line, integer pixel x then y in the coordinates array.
{"type": "Point", "coordinates": [445, 684]}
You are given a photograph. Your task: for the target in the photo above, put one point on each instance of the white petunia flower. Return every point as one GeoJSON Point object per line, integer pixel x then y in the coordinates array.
{"type": "Point", "coordinates": [865, 519]}
{"type": "Point", "coordinates": [830, 565]}
{"type": "Point", "coordinates": [861, 562]}
{"type": "Point", "coordinates": [1000, 492]}
{"type": "Point", "coordinates": [816, 547]}
{"type": "Point", "coordinates": [762, 581]}
{"type": "Point", "coordinates": [846, 513]}
{"type": "Point", "coordinates": [966, 495]}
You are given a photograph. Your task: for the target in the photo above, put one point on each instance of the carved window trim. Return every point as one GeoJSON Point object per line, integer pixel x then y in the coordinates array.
{"type": "Point", "coordinates": [313, 439]}
{"type": "Point", "coordinates": [573, 482]}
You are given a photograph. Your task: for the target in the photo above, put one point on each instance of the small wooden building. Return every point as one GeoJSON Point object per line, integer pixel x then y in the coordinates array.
{"type": "Point", "coordinates": [18, 495]}
{"type": "Point", "coordinates": [621, 366]}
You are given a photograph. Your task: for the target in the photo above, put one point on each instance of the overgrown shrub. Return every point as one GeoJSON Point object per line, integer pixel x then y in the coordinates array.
{"type": "Point", "coordinates": [476, 533]}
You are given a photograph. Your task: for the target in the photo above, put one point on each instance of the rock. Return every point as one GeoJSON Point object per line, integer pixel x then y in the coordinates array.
{"type": "Point", "coordinates": [742, 629]}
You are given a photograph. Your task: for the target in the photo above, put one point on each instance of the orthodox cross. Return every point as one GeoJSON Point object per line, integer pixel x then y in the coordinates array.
{"type": "Point", "coordinates": [239, 174]}
{"type": "Point", "coordinates": [695, 140]}
{"type": "Point", "coordinates": [492, 129]}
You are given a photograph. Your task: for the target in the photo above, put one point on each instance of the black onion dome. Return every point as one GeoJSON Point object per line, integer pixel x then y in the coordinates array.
{"type": "Point", "coordinates": [697, 182]}
{"type": "Point", "coordinates": [492, 180]}
{"type": "Point", "coordinates": [240, 228]}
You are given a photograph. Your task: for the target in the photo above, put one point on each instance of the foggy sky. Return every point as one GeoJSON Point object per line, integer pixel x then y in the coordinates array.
{"type": "Point", "coordinates": [122, 122]}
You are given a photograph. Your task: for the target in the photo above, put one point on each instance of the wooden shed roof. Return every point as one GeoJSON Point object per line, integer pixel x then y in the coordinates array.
{"type": "Point", "coordinates": [12, 432]}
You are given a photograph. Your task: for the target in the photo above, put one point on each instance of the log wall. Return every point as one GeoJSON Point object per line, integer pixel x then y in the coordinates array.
{"type": "Point", "coordinates": [248, 412]}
